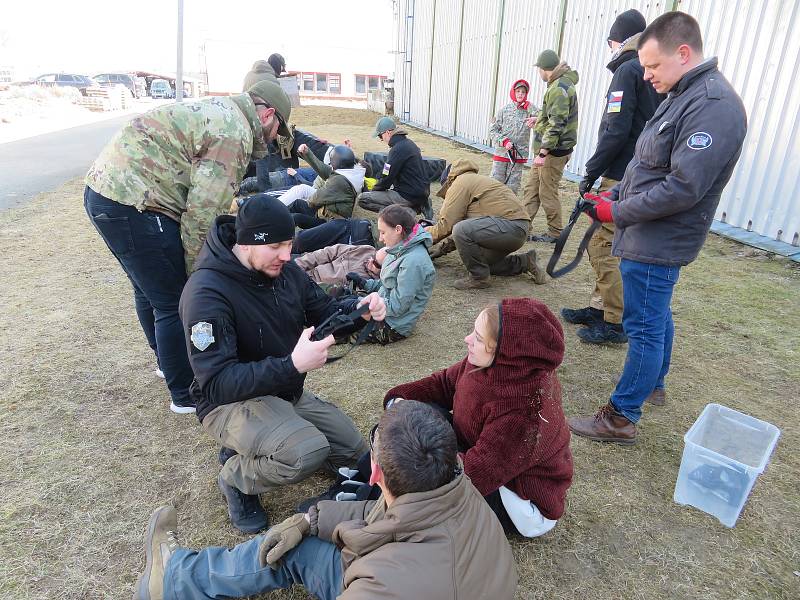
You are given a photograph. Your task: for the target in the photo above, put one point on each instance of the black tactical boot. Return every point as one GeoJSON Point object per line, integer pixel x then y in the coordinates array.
{"type": "Point", "coordinates": [582, 316]}
{"type": "Point", "coordinates": [245, 510]}
{"type": "Point", "coordinates": [603, 333]}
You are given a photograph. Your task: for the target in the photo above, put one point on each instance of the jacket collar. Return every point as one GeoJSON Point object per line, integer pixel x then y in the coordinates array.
{"type": "Point", "coordinates": [626, 51]}
{"type": "Point", "coordinates": [690, 77]}
{"type": "Point", "coordinates": [397, 137]}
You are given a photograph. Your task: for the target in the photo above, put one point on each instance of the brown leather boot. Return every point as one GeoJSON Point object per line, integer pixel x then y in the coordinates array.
{"type": "Point", "coordinates": [605, 426]}
{"type": "Point", "coordinates": [657, 398]}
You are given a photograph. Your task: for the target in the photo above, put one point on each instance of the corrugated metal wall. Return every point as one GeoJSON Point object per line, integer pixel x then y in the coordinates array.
{"type": "Point", "coordinates": [585, 49]}
{"type": "Point", "coordinates": [755, 40]}
{"type": "Point", "coordinates": [758, 47]}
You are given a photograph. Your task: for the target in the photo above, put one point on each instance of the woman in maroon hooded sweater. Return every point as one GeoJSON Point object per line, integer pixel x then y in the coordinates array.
{"type": "Point", "coordinates": [506, 403]}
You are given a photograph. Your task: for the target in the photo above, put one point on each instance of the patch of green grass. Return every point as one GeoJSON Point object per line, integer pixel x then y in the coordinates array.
{"type": "Point", "coordinates": [92, 449]}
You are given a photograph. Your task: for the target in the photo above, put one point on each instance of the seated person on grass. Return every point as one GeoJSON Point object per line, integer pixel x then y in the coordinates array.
{"type": "Point", "coordinates": [343, 181]}
{"type": "Point", "coordinates": [407, 274]}
{"type": "Point", "coordinates": [505, 400]}
{"type": "Point", "coordinates": [429, 536]}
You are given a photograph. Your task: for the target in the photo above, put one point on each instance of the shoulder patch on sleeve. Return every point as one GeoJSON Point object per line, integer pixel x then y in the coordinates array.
{"type": "Point", "coordinates": [699, 140]}
{"type": "Point", "coordinates": [204, 336]}
{"type": "Point", "coordinates": [386, 167]}
{"type": "Point", "coordinates": [615, 102]}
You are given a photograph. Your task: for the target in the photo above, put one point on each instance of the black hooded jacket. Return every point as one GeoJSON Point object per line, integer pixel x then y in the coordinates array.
{"type": "Point", "coordinates": [630, 102]}
{"type": "Point", "coordinates": [254, 320]}
{"type": "Point", "coordinates": [404, 171]}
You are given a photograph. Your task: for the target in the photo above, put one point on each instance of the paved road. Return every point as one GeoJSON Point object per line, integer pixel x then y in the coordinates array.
{"type": "Point", "coordinates": [42, 163]}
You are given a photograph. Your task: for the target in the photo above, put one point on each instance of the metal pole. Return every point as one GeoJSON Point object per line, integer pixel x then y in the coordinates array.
{"type": "Point", "coordinates": [496, 67]}
{"type": "Point", "coordinates": [458, 69]}
{"type": "Point", "coordinates": [430, 70]}
{"type": "Point", "coordinates": [179, 70]}
{"type": "Point", "coordinates": [562, 21]}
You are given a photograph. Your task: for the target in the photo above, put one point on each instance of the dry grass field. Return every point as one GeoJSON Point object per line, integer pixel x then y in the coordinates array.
{"type": "Point", "coordinates": [91, 447]}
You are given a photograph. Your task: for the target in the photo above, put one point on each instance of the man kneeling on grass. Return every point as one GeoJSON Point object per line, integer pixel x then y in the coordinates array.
{"type": "Point", "coordinates": [430, 535]}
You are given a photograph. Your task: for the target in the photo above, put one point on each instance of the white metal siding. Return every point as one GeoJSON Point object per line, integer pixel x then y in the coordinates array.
{"type": "Point", "coordinates": [585, 49]}
{"type": "Point", "coordinates": [759, 53]}
{"type": "Point", "coordinates": [478, 47]}
{"type": "Point", "coordinates": [755, 41]}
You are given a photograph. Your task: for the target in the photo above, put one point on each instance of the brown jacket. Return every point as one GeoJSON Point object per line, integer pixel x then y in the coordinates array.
{"type": "Point", "coordinates": [445, 544]}
{"type": "Point", "coordinates": [470, 196]}
{"type": "Point", "coordinates": [331, 264]}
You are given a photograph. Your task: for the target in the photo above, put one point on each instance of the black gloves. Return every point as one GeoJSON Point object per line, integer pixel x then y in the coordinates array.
{"type": "Point", "coordinates": [585, 185]}
{"type": "Point", "coordinates": [248, 186]}
{"type": "Point", "coordinates": [359, 282]}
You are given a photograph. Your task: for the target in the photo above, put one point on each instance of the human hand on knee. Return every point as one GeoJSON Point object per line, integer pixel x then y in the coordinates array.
{"type": "Point", "coordinates": [282, 538]}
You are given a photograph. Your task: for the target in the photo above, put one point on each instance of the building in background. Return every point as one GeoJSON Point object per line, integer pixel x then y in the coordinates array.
{"type": "Point", "coordinates": [322, 72]}
{"type": "Point", "coordinates": [456, 59]}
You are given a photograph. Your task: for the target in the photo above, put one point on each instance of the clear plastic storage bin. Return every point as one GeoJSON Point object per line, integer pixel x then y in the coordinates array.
{"type": "Point", "coordinates": [724, 453]}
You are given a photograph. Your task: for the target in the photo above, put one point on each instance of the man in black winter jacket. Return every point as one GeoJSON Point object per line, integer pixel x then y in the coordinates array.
{"type": "Point", "coordinates": [630, 102]}
{"type": "Point", "coordinates": [663, 208]}
{"type": "Point", "coordinates": [403, 178]}
{"type": "Point", "coordinates": [248, 315]}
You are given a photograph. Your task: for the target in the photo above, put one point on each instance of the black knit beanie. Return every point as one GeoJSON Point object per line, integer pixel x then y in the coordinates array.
{"type": "Point", "coordinates": [263, 219]}
{"type": "Point", "coordinates": [627, 24]}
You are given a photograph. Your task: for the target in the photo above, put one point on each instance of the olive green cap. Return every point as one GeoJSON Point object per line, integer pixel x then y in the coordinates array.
{"type": "Point", "coordinates": [548, 60]}
{"type": "Point", "coordinates": [383, 125]}
{"type": "Point", "coordinates": [273, 94]}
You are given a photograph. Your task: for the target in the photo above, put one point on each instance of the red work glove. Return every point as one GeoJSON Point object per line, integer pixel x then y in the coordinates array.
{"type": "Point", "coordinates": [506, 143]}
{"type": "Point", "coordinates": [601, 209]}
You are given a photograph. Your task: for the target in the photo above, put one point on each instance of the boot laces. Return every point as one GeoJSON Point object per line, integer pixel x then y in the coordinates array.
{"type": "Point", "coordinates": [172, 540]}
{"type": "Point", "coordinates": [604, 412]}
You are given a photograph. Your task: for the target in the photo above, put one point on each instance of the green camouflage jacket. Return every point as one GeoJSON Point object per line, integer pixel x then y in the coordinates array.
{"type": "Point", "coordinates": [183, 160]}
{"type": "Point", "coordinates": [557, 122]}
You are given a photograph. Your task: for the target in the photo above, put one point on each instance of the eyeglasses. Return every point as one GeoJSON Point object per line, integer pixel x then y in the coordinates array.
{"type": "Point", "coordinates": [372, 433]}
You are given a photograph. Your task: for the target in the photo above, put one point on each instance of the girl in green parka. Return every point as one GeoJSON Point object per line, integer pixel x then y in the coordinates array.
{"type": "Point", "coordinates": [407, 274]}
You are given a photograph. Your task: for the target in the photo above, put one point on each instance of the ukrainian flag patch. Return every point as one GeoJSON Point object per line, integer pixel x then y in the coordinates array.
{"type": "Point", "coordinates": [614, 102]}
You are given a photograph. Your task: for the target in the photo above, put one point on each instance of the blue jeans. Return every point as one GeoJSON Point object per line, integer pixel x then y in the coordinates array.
{"type": "Point", "coordinates": [148, 247]}
{"type": "Point", "coordinates": [647, 321]}
{"type": "Point", "coordinates": [235, 573]}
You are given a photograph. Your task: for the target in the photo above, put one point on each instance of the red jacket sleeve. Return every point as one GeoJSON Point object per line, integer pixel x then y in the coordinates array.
{"type": "Point", "coordinates": [504, 450]}
{"type": "Point", "coordinates": [438, 388]}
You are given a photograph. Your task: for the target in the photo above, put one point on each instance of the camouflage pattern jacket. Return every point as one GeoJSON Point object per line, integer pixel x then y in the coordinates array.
{"type": "Point", "coordinates": [509, 124]}
{"type": "Point", "coordinates": [556, 127]}
{"type": "Point", "coordinates": [182, 160]}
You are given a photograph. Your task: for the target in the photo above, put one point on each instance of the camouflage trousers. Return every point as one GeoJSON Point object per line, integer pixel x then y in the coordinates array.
{"type": "Point", "coordinates": [280, 442]}
{"type": "Point", "coordinates": [501, 170]}
{"type": "Point", "coordinates": [607, 295]}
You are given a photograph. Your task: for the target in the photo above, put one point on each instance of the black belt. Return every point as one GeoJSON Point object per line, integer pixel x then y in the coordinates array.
{"type": "Point", "coordinates": [562, 240]}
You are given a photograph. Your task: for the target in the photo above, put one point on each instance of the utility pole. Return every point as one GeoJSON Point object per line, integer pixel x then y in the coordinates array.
{"type": "Point", "coordinates": [179, 70]}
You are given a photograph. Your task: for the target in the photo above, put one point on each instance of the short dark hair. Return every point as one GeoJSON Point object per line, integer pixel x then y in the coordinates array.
{"type": "Point", "coordinates": [416, 448]}
{"type": "Point", "coordinates": [396, 214]}
{"type": "Point", "coordinates": [673, 29]}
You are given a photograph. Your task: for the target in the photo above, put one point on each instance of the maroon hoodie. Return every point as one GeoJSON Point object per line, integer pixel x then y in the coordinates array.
{"type": "Point", "coordinates": [509, 415]}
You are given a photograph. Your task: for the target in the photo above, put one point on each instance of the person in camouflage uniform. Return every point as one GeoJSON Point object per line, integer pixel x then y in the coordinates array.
{"type": "Point", "coordinates": [554, 136]}
{"type": "Point", "coordinates": [154, 191]}
{"type": "Point", "coordinates": [511, 135]}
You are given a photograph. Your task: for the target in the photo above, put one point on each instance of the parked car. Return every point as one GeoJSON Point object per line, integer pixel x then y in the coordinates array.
{"type": "Point", "coordinates": [160, 88]}
{"type": "Point", "coordinates": [112, 79]}
{"type": "Point", "coordinates": [80, 82]}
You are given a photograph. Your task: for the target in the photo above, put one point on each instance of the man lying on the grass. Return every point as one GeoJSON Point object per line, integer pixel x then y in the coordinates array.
{"type": "Point", "coordinates": [505, 400]}
{"type": "Point", "coordinates": [430, 535]}
{"type": "Point", "coordinates": [245, 310]}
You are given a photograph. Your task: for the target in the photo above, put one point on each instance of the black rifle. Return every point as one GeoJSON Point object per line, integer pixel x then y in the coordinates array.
{"type": "Point", "coordinates": [580, 206]}
{"type": "Point", "coordinates": [339, 321]}
{"type": "Point", "coordinates": [513, 154]}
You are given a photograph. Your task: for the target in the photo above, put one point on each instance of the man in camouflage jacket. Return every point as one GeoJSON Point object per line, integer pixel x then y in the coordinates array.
{"type": "Point", "coordinates": [512, 136]}
{"type": "Point", "coordinates": [554, 136]}
{"type": "Point", "coordinates": [154, 191]}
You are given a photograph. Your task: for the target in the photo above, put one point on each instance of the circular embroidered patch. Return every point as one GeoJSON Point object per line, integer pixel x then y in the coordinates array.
{"type": "Point", "coordinates": [699, 141]}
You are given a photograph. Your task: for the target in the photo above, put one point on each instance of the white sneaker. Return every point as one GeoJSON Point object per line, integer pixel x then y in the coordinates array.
{"type": "Point", "coordinates": [159, 373]}
{"type": "Point", "coordinates": [182, 410]}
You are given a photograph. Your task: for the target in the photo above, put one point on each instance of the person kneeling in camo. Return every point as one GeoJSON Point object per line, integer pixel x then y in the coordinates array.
{"type": "Point", "coordinates": [427, 536]}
